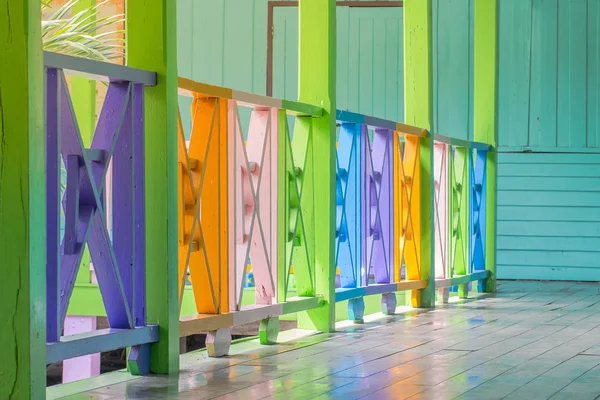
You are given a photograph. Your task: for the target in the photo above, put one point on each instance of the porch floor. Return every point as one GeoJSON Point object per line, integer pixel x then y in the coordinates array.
{"type": "Point", "coordinates": [531, 340]}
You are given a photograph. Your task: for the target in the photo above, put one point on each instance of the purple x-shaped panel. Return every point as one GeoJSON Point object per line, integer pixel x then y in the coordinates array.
{"type": "Point", "coordinates": [118, 262]}
{"type": "Point", "coordinates": [378, 203]}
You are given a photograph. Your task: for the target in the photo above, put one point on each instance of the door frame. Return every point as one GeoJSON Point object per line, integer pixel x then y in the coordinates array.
{"type": "Point", "coordinates": [278, 3]}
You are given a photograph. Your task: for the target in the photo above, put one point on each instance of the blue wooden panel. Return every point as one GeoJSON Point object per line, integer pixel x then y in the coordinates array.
{"type": "Point", "coordinates": [549, 216]}
{"type": "Point", "coordinates": [549, 73]}
{"type": "Point", "coordinates": [348, 205]}
{"type": "Point", "coordinates": [453, 67]}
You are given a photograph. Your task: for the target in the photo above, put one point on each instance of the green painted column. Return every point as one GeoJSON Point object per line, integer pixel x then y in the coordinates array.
{"type": "Point", "coordinates": [151, 45]}
{"type": "Point", "coordinates": [83, 93]}
{"type": "Point", "coordinates": [418, 104]}
{"type": "Point", "coordinates": [485, 98]}
{"type": "Point", "coordinates": [22, 203]}
{"type": "Point", "coordinates": [316, 71]}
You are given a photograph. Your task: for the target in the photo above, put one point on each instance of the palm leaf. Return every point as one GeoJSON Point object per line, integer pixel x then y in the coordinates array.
{"type": "Point", "coordinates": [77, 35]}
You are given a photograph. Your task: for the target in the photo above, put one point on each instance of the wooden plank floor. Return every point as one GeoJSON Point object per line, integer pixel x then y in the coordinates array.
{"type": "Point", "coordinates": [532, 340]}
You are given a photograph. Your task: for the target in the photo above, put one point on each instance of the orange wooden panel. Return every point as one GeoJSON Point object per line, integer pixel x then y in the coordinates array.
{"type": "Point", "coordinates": [204, 194]}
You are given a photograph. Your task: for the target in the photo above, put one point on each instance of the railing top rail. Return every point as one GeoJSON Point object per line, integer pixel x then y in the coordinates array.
{"type": "Point", "coordinates": [374, 122]}
{"type": "Point", "coordinates": [98, 70]}
{"type": "Point", "coordinates": [191, 88]}
{"type": "Point", "coordinates": [461, 143]}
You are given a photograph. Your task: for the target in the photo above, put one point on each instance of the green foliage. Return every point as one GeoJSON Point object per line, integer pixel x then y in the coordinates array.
{"type": "Point", "coordinates": [77, 35]}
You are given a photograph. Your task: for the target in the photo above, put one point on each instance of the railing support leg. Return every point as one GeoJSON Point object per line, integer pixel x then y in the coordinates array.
{"type": "Point", "coordinates": [356, 310]}
{"type": "Point", "coordinates": [418, 112]}
{"type": "Point", "coordinates": [444, 295]}
{"type": "Point", "coordinates": [268, 330]}
{"type": "Point", "coordinates": [463, 290]}
{"type": "Point", "coordinates": [388, 303]}
{"type": "Point", "coordinates": [218, 342]}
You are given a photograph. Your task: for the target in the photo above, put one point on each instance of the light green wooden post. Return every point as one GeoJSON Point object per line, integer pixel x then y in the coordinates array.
{"type": "Point", "coordinates": [418, 105]}
{"type": "Point", "coordinates": [485, 89]}
{"type": "Point", "coordinates": [317, 46]}
{"type": "Point", "coordinates": [83, 93]}
{"type": "Point", "coordinates": [22, 203]}
{"type": "Point", "coordinates": [151, 45]}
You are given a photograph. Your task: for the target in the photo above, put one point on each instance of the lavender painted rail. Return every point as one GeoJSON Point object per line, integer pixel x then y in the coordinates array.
{"type": "Point", "coordinates": [118, 254]}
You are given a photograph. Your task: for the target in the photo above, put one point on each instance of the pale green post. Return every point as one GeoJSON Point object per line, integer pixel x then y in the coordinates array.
{"type": "Point", "coordinates": [485, 91]}
{"type": "Point", "coordinates": [151, 45]}
{"type": "Point", "coordinates": [316, 71]}
{"type": "Point", "coordinates": [22, 203]}
{"type": "Point", "coordinates": [418, 104]}
{"type": "Point", "coordinates": [83, 93]}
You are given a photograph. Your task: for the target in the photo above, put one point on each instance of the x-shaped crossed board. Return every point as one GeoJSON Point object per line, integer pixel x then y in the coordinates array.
{"type": "Point", "coordinates": [253, 202]}
{"type": "Point", "coordinates": [378, 203]}
{"type": "Point", "coordinates": [441, 209]}
{"type": "Point", "coordinates": [459, 240]}
{"type": "Point", "coordinates": [203, 205]}
{"type": "Point", "coordinates": [407, 230]}
{"type": "Point", "coordinates": [348, 205]}
{"type": "Point", "coordinates": [477, 213]}
{"type": "Point", "coordinates": [296, 179]}
{"type": "Point", "coordinates": [118, 263]}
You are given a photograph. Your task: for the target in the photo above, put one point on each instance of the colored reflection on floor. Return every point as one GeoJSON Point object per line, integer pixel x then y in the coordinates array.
{"type": "Point", "coordinates": [531, 340]}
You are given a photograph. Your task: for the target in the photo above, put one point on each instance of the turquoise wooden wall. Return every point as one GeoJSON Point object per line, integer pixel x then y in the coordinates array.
{"type": "Point", "coordinates": [549, 106]}
{"type": "Point", "coordinates": [370, 59]}
{"type": "Point", "coordinates": [453, 67]}
{"type": "Point", "coordinates": [549, 74]}
{"type": "Point", "coordinates": [549, 101]}
{"type": "Point", "coordinates": [549, 216]}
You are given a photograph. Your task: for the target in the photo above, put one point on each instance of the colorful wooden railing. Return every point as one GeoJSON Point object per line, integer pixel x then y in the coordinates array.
{"type": "Point", "coordinates": [118, 253]}
{"type": "Point", "coordinates": [245, 193]}
{"type": "Point", "coordinates": [460, 214]}
{"type": "Point", "coordinates": [378, 222]}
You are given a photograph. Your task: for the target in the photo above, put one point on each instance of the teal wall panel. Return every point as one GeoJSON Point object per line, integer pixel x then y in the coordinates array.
{"type": "Point", "coordinates": [224, 43]}
{"type": "Point", "coordinates": [549, 216]}
{"type": "Point", "coordinates": [453, 67]}
{"type": "Point", "coordinates": [549, 74]}
{"type": "Point", "coordinates": [370, 63]}
{"type": "Point", "coordinates": [285, 53]}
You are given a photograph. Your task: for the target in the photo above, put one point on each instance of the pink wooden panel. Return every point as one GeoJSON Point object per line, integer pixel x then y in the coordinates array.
{"type": "Point", "coordinates": [253, 203]}
{"type": "Point", "coordinates": [83, 367]}
{"type": "Point", "coordinates": [441, 209]}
